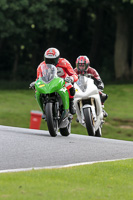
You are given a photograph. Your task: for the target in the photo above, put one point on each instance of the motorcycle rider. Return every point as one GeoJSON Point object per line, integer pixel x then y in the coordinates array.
{"type": "Point", "coordinates": [83, 67]}
{"type": "Point", "coordinates": [64, 70]}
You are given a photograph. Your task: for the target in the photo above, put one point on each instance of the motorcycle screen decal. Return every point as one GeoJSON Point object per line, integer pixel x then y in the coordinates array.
{"type": "Point", "coordinates": [41, 85]}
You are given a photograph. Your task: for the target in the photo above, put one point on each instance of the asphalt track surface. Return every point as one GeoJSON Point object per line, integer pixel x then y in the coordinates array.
{"type": "Point", "coordinates": [27, 148]}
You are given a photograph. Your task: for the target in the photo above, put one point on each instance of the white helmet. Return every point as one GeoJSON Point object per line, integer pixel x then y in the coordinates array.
{"type": "Point", "coordinates": [51, 56]}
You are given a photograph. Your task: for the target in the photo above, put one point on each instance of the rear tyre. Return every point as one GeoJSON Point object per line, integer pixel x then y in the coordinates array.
{"type": "Point", "coordinates": [89, 121]}
{"type": "Point", "coordinates": [51, 122]}
{"type": "Point", "coordinates": [98, 133]}
{"type": "Point", "coordinates": [66, 131]}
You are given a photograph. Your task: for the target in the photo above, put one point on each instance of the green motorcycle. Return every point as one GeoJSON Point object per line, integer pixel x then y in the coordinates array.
{"type": "Point", "coordinates": [53, 99]}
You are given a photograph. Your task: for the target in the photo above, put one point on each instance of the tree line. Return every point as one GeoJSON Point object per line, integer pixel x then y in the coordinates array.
{"type": "Point", "coordinates": [102, 30]}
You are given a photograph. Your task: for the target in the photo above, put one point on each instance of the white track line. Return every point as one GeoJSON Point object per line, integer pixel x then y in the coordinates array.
{"type": "Point", "coordinates": [60, 166]}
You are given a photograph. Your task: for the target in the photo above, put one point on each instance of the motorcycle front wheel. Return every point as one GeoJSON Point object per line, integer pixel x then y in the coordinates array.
{"type": "Point", "coordinates": [89, 121]}
{"type": "Point", "coordinates": [51, 122]}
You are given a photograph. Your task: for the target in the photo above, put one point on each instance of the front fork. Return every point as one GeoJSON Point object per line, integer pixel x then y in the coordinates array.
{"type": "Point", "coordinates": [56, 111]}
{"type": "Point", "coordinates": [82, 114]}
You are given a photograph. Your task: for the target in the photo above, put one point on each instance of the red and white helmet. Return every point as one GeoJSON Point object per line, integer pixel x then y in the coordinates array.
{"type": "Point", "coordinates": [51, 56]}
{"type": "Point", "coordinates": [82, 63]}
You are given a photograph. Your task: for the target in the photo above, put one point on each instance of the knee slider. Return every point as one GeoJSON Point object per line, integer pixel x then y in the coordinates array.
{"type": "Point", "coordinates": [103, 97]}
{"type": "Point", "coordinates": [72, 91]}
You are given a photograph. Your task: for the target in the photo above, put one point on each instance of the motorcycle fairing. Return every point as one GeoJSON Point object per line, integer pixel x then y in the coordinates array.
{"type": "Point", "coordinates": [56, 85]}
{"type": "Point", "coordinates": [80, 92]}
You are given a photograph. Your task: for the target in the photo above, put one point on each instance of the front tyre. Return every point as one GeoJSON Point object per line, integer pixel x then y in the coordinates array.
{"type": "Point", "coordinates": [51, 122]}
{"type": "Point", "coordinates": [89, 121]}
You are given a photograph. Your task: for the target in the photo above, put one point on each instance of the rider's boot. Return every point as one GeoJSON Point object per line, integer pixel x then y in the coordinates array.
{"type": "Point", "coordinates": [71, 106]}
{"type": "Point", "coordinates": [105, 114]}
{"type": "Point", "coordinates": [103, 97]}
{"type": "Point", "coordinates": [43, 116]}
{"type": "Point", "coordinates": [77, 120]}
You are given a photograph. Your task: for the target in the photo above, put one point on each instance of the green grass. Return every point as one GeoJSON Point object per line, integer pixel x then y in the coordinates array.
{"type": "Point", "coordinates": [102, 181]}
{"type": "Point", "coordinates": [119, 124]}
{"type": "Point", "coordinates": [15, 107]}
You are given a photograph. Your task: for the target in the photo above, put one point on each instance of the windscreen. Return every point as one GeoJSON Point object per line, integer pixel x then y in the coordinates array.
{"type": "Point", "coordinates": [82, 83]}
{"type": "Point", "coordinates": [48, 72]}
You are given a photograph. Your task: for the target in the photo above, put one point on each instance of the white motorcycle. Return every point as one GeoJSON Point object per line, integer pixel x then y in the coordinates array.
{"type": "Point", "coordinates": [88, 105]}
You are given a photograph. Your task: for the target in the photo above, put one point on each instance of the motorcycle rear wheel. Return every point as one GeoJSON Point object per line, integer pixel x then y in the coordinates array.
{"type": "Point", "coordinates": [51, 122]}
{"type": "Point", "coordinates": [89, 121]}
{"type": "Point", "coordinates": [98, 133]}
{"type": "Point", "coordinates": [66, 131]}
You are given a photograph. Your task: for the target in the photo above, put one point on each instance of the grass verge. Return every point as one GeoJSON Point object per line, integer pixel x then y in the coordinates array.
{"type": "Point", "coordinates": [111, 180]}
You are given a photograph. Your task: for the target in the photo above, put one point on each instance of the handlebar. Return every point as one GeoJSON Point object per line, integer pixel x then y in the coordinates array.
{"type": "Point", "coordinates": [87, 75]}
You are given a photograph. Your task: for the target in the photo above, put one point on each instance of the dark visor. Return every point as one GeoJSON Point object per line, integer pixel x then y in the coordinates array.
{"type": "Point", "coordinates": [50, 61]}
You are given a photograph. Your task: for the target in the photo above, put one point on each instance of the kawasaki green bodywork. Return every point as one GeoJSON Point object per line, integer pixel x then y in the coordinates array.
{"type": "Point", "coordinates": [55, 85]}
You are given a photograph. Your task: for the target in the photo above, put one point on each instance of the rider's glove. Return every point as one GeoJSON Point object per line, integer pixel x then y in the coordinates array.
{"type": "Point", "coordinates": [69, 79]}
{"type": "Point", "coordinates": [32, 85]}
{"type": "Point", "coordinates": [90, 76]}
{"type": "Point", "coordinates": [100, 87]}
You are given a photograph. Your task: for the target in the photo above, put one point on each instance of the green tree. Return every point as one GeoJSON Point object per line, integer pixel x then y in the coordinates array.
{"type": "Point", "coordinates": [123, 44]}
{"type": "Point", "coordinates": [89, 27]}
